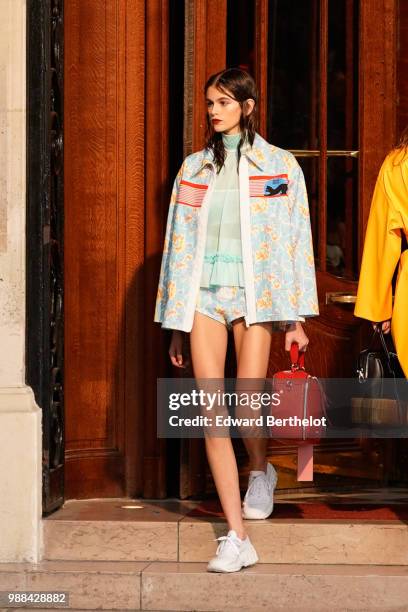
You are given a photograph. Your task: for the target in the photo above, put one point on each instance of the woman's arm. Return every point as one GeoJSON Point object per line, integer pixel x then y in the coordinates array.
{"type": "Point", "coordinates": [382, 250]}
{"type": "Point", "coordinates": [300, 247]}
{"type": "Point", "coordinates": [162, 289]}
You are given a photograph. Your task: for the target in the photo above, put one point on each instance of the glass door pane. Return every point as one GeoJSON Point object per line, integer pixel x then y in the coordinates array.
{"type": "Point", "coordinates": [313, 112]}
{"type": "Point", "coordinates": [292, 73]}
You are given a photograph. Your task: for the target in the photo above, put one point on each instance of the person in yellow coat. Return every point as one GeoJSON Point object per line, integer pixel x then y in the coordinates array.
{"type": "Point", "coordinates": [385, 239]}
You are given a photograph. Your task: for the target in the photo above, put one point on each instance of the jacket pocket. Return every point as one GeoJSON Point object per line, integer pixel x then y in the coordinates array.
{"type": "Point", "coordinates": [191, 194]}
{"type": "Point", "coordinates": [273, 186]}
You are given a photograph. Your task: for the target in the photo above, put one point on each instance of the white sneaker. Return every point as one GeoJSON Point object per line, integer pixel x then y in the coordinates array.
{"type": "Point", "coordinates": [232, 554]}
{"type": "Point", "coordinates": [258, 500]}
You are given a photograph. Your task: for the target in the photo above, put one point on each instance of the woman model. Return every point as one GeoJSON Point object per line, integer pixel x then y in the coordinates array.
{"type": "Point", "coordinates": [385, 246]}
{"type": "Point", "coordinates": [238, 256]}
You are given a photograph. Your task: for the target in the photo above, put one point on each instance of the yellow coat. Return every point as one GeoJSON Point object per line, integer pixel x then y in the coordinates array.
{"type": "Point", "coordinates": [382, 252]}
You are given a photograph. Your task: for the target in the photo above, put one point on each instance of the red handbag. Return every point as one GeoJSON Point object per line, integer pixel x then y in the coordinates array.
{"type": "Point", "coordinates": [300, 415]}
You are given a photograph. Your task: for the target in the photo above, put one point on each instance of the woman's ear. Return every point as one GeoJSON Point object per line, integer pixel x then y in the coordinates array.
{"type": "Point", "coordinates": [249, 106]}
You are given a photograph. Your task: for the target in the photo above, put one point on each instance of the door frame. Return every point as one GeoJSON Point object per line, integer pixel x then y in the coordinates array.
{"type": "Point", "coordinates": [44, 237]}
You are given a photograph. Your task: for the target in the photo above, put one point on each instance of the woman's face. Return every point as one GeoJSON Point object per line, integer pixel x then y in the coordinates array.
{"type": "Point", "coordinates": [224, 111]}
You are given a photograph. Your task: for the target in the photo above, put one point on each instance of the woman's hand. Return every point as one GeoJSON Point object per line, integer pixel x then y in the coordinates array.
{"type": "Point", "coordinates": [176, 349]}
{"type": "Point", "coordinates": [385, 326]}
{"type": "Point", "coordinates": [295, 333]}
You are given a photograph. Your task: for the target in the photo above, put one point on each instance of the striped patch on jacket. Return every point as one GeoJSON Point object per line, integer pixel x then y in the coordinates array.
{"type": "Point", "coordinates": [191, 194]}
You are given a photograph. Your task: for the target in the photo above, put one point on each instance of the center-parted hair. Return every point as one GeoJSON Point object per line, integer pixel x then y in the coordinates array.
{"type": "Point", "coordinates": [240, 85]}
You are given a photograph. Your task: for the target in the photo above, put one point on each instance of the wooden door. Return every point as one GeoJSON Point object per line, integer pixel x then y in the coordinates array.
{"type": "Point", "coordinates": [123, 146]}
{"type": "Point", "coordinates": [327, 93]}
{"type": "Point", "coordinates": [104, 246]}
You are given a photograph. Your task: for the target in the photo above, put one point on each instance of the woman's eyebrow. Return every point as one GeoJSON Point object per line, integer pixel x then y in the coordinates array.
{"type": "Point", "coordinates": [220, 98]}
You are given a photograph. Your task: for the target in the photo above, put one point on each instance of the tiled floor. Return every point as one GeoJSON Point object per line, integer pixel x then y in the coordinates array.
{"type": "Point", "coordinates": [123, 509]}
{"type": "Point", "coordinates": [172, 510]}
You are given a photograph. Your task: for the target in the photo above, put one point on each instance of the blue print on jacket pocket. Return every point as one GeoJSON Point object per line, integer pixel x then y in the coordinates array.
{"type": "Point", "coordinates": [268, 186]}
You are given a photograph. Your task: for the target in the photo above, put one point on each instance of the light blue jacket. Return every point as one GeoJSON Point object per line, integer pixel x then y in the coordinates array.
{"type": "Point", "coordinates": [277, 249]}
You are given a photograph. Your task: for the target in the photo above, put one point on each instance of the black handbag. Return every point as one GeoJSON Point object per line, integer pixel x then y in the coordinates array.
{"type": "Point", "coordinates": [378, 372]}
{"type": "Point", "coordinates": [378, 363]}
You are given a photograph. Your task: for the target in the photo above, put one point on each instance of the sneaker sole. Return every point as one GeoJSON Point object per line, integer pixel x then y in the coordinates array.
{"type": "Point", "coordinates": [253, 513]}
{"type": "Point", "coordinates": [253, 560]}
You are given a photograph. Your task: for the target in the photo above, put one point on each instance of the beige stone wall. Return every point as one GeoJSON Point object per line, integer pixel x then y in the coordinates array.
{"type": "Point", "coordinates": [20, 418]}
{"type": "Point", "coordinates": [12, 190]}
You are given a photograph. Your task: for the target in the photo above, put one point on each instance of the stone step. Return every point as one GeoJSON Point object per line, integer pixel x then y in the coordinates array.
{"type": "Point", "coordinates": [192, 540]}
{"type": "Point", "coordinates": [304, 541]}
{"type": "Point", "coordinates": [298, 588]}
{"type": "Point", "coordinates": [181, 587]}
{"type": "Point", "coordinates": [110, 541]}
{"type": "Point", "coordinates": [90, 584]}
{"type": "Point", "coordinates": [131, 530]}
{"type": "Point", "coordinates": [114, 530]}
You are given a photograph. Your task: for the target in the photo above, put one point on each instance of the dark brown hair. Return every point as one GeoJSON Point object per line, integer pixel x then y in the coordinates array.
{"type": "Point", "coordinates": [403, 141]}
{"type": "Point", "coordinates": [240, 85]}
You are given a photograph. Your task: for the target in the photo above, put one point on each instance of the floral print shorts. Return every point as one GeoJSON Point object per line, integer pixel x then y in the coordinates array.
{"type": "Point", "coordinates": [222, 303]}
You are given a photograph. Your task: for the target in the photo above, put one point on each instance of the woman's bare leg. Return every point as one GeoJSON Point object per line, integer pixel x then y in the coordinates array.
{"type": "Point", "coordinates": [252, 348]}
{"type": "Point", "coordinates": [208, 344]}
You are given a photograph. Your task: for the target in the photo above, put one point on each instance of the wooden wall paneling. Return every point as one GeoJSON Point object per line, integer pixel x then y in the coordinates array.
{"type": "Point", "coordinates": [261, 62]}
{"type": "Point", "coordinates": [157, 185]}
{"type": "Point", "coordinates": [402, 46]}
{"type": "Point", "coordinates": [377, 127]}
{"type": "Point", "coordinates": [377, 96]}
{"type": "Point", "coordinates": [204, 54]}
{"type": "Point", "coordinates": [133, 24]}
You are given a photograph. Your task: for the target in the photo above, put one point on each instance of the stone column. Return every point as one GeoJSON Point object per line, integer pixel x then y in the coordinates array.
{"type": "Point", "coordinates": [20, 417]}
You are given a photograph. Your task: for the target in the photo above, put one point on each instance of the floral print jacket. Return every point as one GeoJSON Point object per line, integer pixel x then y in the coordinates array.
{"type": "Point", "coordinates": [277, 248]}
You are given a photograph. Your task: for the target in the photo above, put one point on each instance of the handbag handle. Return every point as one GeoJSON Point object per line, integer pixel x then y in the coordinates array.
{"type": "Point", "coordinates": [378, 330]}
{"type": "Point", "coordinates": [297, 357]}
{"type": "Point", "coordinates": [401, 409]}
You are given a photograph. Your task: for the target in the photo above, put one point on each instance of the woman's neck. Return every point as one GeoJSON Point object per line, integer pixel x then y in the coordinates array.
{"type": "Point", "coordinates": [231, 140]}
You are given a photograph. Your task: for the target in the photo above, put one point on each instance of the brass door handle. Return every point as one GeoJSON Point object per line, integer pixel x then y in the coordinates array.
{"type": "Point", "coordinates": [338, 297]}
{"type": "Point", "coordinates": [317, 153]}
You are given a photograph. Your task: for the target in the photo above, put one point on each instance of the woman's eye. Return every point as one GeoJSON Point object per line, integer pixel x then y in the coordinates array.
{"type": "Point", "coordinates": [222, 102]}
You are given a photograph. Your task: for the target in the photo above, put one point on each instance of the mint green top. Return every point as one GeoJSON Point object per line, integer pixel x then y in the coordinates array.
{"type": "Point", "coordinates": [223, 258]}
